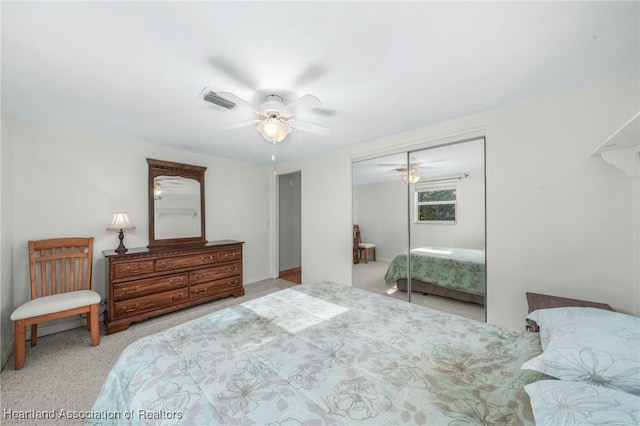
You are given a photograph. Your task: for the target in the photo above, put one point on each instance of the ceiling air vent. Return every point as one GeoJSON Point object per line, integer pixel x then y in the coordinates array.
{"type": "Point", "coordinates": [211, 96]}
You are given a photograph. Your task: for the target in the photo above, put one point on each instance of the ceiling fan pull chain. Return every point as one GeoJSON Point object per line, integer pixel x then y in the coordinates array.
{"type": "Point", "coordinates": [273, 158]}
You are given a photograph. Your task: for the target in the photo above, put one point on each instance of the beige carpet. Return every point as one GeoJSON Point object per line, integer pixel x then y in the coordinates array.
{"type": "Point", "coordinates": [64, 372]}
{"type": "Point", "coordinates": [370, 276]}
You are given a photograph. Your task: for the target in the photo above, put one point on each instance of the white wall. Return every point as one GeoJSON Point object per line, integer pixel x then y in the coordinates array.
{"type": "Point", "coordinates": [69, 184]}
{"type": "Point", "coordinates": [6, 237]}
{"type": "Point", "coordinates": [559, 221]}
{"type": "Point", "coordinates": [382, 216]}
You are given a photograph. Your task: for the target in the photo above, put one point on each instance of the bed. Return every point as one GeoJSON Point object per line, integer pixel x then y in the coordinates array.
{"type": "Point", "coordinates": [450, 272]}
{"type": "Point", "coordinates": [323, 353]}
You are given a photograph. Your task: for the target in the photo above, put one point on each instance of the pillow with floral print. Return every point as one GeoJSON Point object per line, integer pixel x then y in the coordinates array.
{"type": "Point", "coordinates": [560, 402]}
{"type": "Point", "coordinates": [589, 345]}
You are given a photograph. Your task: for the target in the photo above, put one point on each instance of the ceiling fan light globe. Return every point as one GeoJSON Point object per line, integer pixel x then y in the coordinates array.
{"type": "Point", "coordinates": [273, 130]}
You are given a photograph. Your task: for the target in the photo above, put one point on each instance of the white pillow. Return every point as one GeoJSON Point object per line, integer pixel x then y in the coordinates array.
{"type": "Point", "coordinates": [589, 345]}
{"type": "Point", "coordinates": [558, 402]}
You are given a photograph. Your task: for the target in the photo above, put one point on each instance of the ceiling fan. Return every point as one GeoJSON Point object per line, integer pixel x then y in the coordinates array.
{"type": "Point", "coordinates": [276, 118]}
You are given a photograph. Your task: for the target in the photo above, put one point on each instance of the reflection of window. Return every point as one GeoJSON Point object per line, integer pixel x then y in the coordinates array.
{"type": "Point", "coordinates": [436, 204]}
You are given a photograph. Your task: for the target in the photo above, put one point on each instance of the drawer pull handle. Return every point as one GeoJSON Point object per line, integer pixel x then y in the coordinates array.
{"type": "Point", "coordinates": [199, 290]}
{"type": "Point", "coordinates": [175, 281]}
{"type": "Point", "coordinates": [207, 259]}
{"type": "Point", "coordinates": [133, 308]}
{"type": "Point", "coordinates": [235, 268]}
{"type": "Point", "coordinates": [136, 269]}
{"type": "Point", "coordinates": [176, 297]}
{"type": "Point", "coordinates": [168, 264]}
{"type": "Point", "coordinates": [199, 276]}
{"type": "Point", "coordinates": [131, 290]}
{"type": "Point", "coordinates": [232, 283]}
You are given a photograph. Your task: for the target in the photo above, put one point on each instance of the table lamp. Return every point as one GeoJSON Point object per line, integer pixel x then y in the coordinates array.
{"type": "Point", "coordinates": [120, 223]}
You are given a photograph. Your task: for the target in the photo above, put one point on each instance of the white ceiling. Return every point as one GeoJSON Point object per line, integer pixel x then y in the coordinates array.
{"type": "Point", "coordinates": [133, 71]}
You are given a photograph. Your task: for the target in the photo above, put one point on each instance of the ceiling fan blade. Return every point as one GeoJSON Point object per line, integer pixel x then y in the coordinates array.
{"type": "Point", "coordinates": [241, 124]}
{"type": "Point", "coordinates": [304, 103]}
{"type": "Point", "coordinates": [241, 102]}
{"type": "Point", "coordinates": [311, 128]}
{"type": "Point", "coordinates": [234, 71]}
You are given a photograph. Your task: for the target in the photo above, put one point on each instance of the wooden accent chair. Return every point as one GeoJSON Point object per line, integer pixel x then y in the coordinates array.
{"type": "Point", "coordinates": [60, 287]}
{"type": "Point", "coordinates": [364, 247]}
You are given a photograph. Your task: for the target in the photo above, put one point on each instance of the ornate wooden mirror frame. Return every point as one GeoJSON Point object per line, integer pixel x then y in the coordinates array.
{"type": "Point", "coordinates": [170, 169]}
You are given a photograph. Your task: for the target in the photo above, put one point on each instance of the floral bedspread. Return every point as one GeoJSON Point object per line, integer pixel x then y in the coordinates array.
{"type": "Point", "coordinates": [322, 353]}
{"type": "Point", "coordinates": [459, 269]}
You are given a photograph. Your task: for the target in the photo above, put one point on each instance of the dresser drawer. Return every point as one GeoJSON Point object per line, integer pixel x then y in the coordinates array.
{"type": "Point", "coordinates": [130, 290]}
{"type": "Point", "coordinates": [185, 261]}
{"type": "Point", "coordinates": [215, 273]}
{"type": "Point", "coordinates": [213, 288]}
{"type": "Point", "coordinates": [132, 269]}
{"type": "Point", "coordinates": [139, 305]}
{"type": "Point", "coordinates": [230, 254]}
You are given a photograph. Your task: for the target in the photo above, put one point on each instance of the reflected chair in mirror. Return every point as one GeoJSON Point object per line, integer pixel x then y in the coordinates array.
{"type": "Point", "coordinates": [364, 247]}
{"type": "Point", "coordinates": [60, 276]}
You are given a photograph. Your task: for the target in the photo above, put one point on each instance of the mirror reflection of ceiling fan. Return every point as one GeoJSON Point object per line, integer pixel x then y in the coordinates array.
{"type": "Point", "coordinates": [414, 173]}
{"type": "Point", "coordinates": [401, 170]}
{"type": "Point", "coordinates": [276, 118]}
{"type": "Point", "coordinates": [174, 185]}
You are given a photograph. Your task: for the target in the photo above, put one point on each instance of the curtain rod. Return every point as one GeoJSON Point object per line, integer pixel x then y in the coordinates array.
{"type": "Point", "coordinates": [447, 178]}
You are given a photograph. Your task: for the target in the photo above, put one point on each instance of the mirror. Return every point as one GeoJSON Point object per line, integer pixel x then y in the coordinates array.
{"type": "Point", "coordinates": [176, 204]}
{"type": "Point", "coordinates": [431, 203]}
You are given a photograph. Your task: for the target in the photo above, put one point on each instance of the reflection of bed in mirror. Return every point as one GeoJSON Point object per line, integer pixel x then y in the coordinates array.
{"type": "Point", "coordinates": [450, 272]}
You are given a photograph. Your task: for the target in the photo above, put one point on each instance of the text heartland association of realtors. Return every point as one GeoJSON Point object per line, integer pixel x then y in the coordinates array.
{"type": "Point", "coordinates": [9, 414]}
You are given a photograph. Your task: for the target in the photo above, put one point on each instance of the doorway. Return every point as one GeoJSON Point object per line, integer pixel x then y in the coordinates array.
{"type": "Point", "coordinates": [290, 227]}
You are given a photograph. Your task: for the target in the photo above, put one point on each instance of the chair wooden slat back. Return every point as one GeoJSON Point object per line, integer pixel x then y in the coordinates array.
{"type": "Point", "coordinates": [363, 247]}
{"type": "Point", "coordinates": [60, 265]}
{"type": "Point", "coordinates": [356, 231]}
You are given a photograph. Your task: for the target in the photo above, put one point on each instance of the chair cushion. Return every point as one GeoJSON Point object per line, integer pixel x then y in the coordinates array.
{"type": "Point", "coordinates": [55, 303]}
{"type": "Point", "coordinates": [366, 245]}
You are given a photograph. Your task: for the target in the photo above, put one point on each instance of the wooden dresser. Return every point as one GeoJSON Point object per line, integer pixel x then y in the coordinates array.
{"type": "Point", "coordinates": [144, 283]}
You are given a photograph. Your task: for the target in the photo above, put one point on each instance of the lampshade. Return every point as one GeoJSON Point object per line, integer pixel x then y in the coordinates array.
{"type": "Point", "coordinates": [120, 222]}
{"type": "Point", "coordinates": [274, 129]}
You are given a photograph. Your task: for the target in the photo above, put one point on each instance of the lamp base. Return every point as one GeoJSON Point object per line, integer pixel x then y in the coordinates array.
{"type": "Point", "coordinates": [121, 248]}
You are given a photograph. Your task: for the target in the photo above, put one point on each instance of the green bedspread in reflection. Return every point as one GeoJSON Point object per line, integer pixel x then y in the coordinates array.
{"type": "Point", "coordinates": [458, 269]}
{"type": "Point", "coordinates": [327, 354]}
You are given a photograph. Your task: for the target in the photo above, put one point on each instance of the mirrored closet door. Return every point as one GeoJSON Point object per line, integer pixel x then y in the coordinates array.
{"type": "Point", "coordinates": [380, 212]}
{"type": "Point", "coordinates": [435, 212]}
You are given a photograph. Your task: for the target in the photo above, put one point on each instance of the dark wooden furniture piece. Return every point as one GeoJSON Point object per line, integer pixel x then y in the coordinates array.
{"type": "Point", "coordinates": [60, 271]}
{"type": "Point", "coordinates": [356, 249]}
{"type": "Point", "coordinates": [544, 301]}
{"type": "Point", "coordinates": [144, 283]}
